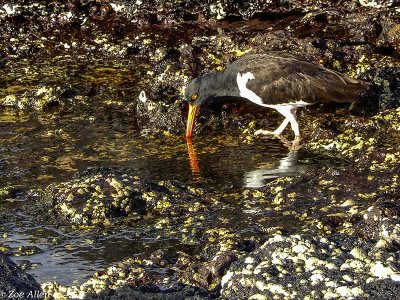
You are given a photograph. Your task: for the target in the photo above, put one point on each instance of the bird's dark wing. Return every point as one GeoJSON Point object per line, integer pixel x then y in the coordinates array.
{"type": "Point", "coordinates": [283, 78]}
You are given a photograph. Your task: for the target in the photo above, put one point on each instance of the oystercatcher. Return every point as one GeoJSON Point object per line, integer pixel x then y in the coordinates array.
{"type": "Point", "coordinates": [277, 80]}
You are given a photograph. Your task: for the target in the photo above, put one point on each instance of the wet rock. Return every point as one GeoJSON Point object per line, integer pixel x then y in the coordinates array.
{"type": "Point", "coordinates": [393, 36]}
{"type": "Point", "coordinates": [40, 98]}
{"type": "Point", "coordinates": [14, 281]}
{"type": "Point", "coordinates": [221, 262]}
{"type": "Point", "coordinates": [388, 40]}
{"type": "Point", "coordinates": [380, 223]}
{"type": "Point", "coordinates": [388, 78]}
{"type": "Point", "coordinates": [158, 117]}
{"type": "Point", "coordinates": [207, 274]}
{"type": "Point", "coordinates": [160, 258]}
{"type": "Point", "coordinates": [102, 198]}
{"type": "Point", "coordinates": [301, 266]}
{"type": "Point", "coordinates": [133, 279]}
{"type": "Point", "coordinates": [27, 265]}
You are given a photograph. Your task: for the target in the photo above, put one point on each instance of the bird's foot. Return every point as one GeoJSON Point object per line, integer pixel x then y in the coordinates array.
{"type": "Point", "coordinates": [296, 144]}
{"type": "Point", "coordinates": [293, 145]}
{"type": "Point", "coordinates": [266, 132]}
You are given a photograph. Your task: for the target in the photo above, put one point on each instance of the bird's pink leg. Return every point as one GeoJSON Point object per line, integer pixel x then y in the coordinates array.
{"type": "Point", "coordinates": [290, 116]}
{"type": "Point", "coordinates": [277, 131]}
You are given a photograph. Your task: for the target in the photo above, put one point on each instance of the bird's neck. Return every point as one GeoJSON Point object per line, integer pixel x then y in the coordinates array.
{"type": "Point", "coordinates": [222, 84]}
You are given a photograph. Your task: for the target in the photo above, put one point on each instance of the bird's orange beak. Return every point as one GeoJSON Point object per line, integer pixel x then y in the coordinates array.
{"type": "Point", "coordinates": [193, 111]}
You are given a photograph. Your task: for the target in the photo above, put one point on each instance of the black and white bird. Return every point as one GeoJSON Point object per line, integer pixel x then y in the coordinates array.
{"type": "Point", "coordinates": [277, 80]}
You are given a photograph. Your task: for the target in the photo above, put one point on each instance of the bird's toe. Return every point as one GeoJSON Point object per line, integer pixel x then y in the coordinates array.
{"type": "Point", "coordinates": [295, 145]}
{"type": "Point", "coordinates": [263, 132]}
{"type": "Point", "coordinates": [291, 145]}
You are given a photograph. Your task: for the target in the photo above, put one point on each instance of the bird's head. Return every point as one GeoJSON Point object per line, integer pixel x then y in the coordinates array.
{"type": "Point", "coordinates": [198, 91]}
{"type": "Point", "coordinates": [195, 95]}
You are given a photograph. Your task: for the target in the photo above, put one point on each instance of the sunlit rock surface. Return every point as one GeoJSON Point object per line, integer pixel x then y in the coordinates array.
{"type": "Point", "coordinates": [304, 267]}
{"type": "Point", "coordinates": [103, 197]}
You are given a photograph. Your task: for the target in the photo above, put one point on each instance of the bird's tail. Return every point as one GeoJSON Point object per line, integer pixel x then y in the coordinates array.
{"type": "Point", "coordinates": [363, 94]}
{"type": "Point", "coordinates": [342, 88]}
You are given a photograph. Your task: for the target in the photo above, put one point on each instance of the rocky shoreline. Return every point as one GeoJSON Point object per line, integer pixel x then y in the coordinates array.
{"type": "Point", "coordinates": [329, 233]}
{"type": "Point", "coordinates": [345, 244]}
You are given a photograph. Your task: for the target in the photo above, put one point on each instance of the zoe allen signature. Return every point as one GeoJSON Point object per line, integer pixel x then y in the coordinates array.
{"type": "Point", "coordinates": [23, 295]}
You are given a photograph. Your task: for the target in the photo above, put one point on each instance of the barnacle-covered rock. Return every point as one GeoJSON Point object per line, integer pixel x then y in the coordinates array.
{"type": "Point", "coordinates": [306, 267]}
{"type": "Point", "coordinates": [39, 98]}
{"type": "Point", "coordinates": [133, 278]}
{"type": "Point", "coordinates": [334, 226]}
{"type": "Point", "coordinates": [101, 198]}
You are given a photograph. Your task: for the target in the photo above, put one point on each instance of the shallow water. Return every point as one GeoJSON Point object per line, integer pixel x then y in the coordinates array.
{"type": "Point", "coordinates": [37, 149]}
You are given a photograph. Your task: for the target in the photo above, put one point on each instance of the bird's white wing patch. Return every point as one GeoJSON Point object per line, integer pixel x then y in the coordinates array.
{"type": "Point", "coordinates": [242, 80]}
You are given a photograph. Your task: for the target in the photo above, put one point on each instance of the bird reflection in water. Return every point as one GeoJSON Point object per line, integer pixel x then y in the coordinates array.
{"type": "Point", "coordinates": [193, 161]}
{"type": "Point", "coordinates": [288, 165]}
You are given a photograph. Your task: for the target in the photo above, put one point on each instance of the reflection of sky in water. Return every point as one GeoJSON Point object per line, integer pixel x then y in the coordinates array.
{"type": "Point", "coordinates": [62, 263]}
{"type": "Point", "coordinates": [286, 166]}
{"type": "Point", "coordinates": [75, 258]}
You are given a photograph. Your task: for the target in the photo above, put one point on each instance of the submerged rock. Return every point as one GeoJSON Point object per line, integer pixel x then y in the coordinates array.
{"type": "Point", "coordinates": [16, 283]}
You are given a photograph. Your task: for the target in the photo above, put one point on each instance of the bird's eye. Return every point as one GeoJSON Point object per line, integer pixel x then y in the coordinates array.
{"type": "Point", "coordinates": [194, 97]}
